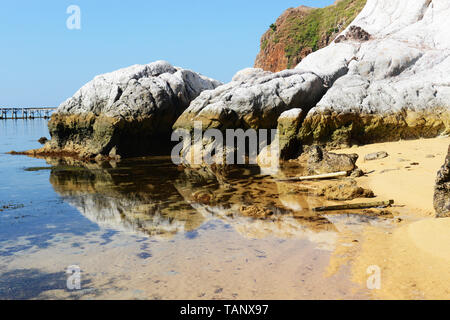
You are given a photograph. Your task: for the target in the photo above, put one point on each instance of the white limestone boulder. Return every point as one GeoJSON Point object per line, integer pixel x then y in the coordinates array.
{"type": "Point", "coordinates": [397, 84]}
{"type": "Point", "coordinates": [128, 112]}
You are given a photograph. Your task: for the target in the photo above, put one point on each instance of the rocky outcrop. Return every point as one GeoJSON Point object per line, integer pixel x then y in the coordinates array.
{"type": "Point", "coordinates": [128, 112]}
{"type": "Point", "coordinates": [397, 82]}
{"type": "Point", "coordinates": [303, 30]}
{"type": "Point", "coordinates": [289, 123]}
{"type": "Point", "coordinates": [319, 161]}
{"type": "Point", "coordinates": [386, 79]}
{"type": "Point", "coordinates": [254, 99]}
{"type": "Point", "coordinates": [442, 190]}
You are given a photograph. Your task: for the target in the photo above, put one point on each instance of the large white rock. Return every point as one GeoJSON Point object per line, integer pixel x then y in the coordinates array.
{"type": "Point", "coordinates": [128, 112]}
{"type": "Point", "coordinates": [393, 85]}
{"type": "Point", "coordinates": [387, 77]}
{"type": "Point", "coordinates": [254, 99]}
{"type": "Point", "coordinates": [405, 64]}
{"type": "Point", "coordinates": [139, 90]}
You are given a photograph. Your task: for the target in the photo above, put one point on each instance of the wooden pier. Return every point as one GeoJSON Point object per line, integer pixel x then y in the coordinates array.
{"type": "Point", "coordinates": [26, 113]}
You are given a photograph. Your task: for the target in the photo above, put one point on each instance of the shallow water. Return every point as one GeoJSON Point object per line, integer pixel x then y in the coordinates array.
{"type": "Point", "coordinates": [147, 229]}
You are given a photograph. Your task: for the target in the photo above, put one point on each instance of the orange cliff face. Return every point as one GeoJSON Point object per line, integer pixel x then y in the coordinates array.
{"type": "Point", "coordinates": [272, 56]}
{"type": "Point", "coordinates": [303, 30]}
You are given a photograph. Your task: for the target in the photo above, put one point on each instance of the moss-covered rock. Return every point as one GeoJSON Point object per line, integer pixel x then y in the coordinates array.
{"type": "Point", "coordinates": [288, 125]}
{"type": "Point", "coordinates": [88, 135]}
{"type": "Point", "coordinates": [346, 129]}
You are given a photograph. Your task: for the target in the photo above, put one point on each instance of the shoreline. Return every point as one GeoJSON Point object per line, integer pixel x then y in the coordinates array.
{"type": "Point", "coordinates": [407, 175]}
{"type": "Point", "coordinates": [414, 256]}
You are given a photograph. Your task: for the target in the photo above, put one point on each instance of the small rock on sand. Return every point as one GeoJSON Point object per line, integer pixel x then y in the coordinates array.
{"type": "Point", "coordinates": [320, 161]}
{"type": "Point", "coordinates": [342, 191]}
{"type": "Point", "coordinates": [376, 156]}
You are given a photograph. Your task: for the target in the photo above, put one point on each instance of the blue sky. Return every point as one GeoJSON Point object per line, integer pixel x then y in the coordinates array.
{"type": "Point", "coordinates": [42, 62]}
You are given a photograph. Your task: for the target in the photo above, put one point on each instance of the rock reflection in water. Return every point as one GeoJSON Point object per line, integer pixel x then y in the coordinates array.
{"type": "Point", "coordinates": [131, 196]}
{"type": "Point", "coordinates": [153, 197]}
{"type": "Point", "coordinates": [255, 205]}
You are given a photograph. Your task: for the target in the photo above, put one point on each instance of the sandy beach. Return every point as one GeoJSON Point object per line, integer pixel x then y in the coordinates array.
{"type": "Point", "coordinates": [415, 256]}
{"type": "Point", "coordinates": [407, 175]}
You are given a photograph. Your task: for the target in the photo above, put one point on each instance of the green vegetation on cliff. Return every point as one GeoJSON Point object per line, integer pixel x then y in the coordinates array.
{"type": "Point", "coordinates": [303, 30]}
{"type": "Point", "coordinates": [319, 26]}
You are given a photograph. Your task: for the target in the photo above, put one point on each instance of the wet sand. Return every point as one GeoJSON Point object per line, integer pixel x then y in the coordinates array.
{"type": "Point", "coordinates": [414, 258]}
{"type": "Point", "coordinates": [217, 265]}
{"type": "Point", "coordinates": [407, 175]}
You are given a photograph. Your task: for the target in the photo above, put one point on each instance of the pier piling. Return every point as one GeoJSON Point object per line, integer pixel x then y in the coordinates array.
{"type": "Point", "coordinates": [26, 113]}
